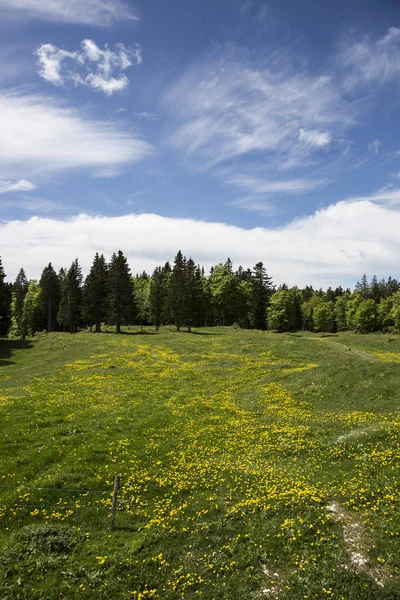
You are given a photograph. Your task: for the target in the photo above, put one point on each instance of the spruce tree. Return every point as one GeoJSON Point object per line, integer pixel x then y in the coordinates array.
{"type": "Point", "coordinates": [158, 296]}
{"type": "Point", "coordinates": [20, 289]}
{"type": "Point", "coordinates": [177, 291]}
{"type": "Point", "coordinates": [120, 300]}
{"type": "Point", "coordinates": [194, 294]}
{"type": "Point", "coordinates": [50, 296]}
{"type": "Point", "coordinates": [5, 303]}
{"type": "Point", "coordinates": [69, 314]}
{"type": "Point", "coordinates": [262, 290]}
{"type": "Point", "coordinates": [95, 293]}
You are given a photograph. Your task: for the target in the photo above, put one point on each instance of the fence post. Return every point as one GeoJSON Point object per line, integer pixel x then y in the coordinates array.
{"type": "Point", "coordinates": [117, 482]}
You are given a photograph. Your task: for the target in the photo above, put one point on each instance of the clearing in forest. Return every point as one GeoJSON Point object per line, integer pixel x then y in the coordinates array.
{"type": "Point", "coordinates": [233, 447]}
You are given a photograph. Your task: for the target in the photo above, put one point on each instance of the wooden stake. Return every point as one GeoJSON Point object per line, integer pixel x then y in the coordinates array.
{"type": "Point", "coordinates": [117, 482]}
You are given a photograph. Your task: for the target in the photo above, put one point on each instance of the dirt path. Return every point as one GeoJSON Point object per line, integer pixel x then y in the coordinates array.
{"type": "Point", "coordinates": [352, 351]}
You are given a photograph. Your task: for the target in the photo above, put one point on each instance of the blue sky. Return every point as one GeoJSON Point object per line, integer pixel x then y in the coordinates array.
{"type": "Point", "coordinates": [277, 121]}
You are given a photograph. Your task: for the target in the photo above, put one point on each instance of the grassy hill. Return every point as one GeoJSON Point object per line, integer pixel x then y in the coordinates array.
{"type": "Point", "coordinates": [253, 465]}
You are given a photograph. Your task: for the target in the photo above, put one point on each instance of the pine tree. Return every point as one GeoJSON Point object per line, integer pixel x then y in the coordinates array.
{"type": "Point", "coordinates": [50, 296]}
{"type": "Point", "coordinates": [69, 313]}
{"type": "Point", "coordinates": [20, 289]}
{"type": "Point", "coordinates": [5, 303]}
{"type": "Point", "coordinates": [177, 291]}
{"type": "Point", "coordinates": [95, 293]}
{"type": "Point", "coordinates": [262, 290]}
{"type": "Point", "coordinates": [120, 300]}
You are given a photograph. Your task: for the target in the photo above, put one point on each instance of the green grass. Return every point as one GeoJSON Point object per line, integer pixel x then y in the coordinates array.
{"type": "Point", "coordinates": [230, 444]}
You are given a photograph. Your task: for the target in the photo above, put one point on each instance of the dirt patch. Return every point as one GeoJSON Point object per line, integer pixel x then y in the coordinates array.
{"type": "Point", "coordinates": [354, 540]}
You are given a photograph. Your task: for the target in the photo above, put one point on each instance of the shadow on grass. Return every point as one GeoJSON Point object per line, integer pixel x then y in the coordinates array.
{"type": "Point", "coordinates": [329, 335]}
{"type": "Point", "coordinates": [8, 347]}
{"type": "Point", "coordinates": [132, 332]}
{"type": "Point", "coordinates": [199, 333]}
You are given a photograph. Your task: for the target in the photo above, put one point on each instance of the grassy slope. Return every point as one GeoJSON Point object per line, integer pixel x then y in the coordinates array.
{"type": "Point", "coordinates": [230, 444]}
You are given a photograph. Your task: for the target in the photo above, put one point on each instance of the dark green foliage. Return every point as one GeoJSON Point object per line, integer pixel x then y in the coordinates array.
{"type": "Point", "coordinates": [69, 313]}
{"type": "Point", "coordinates": [262, 290]}
{"type": "Point", "coordinates": [177, 292]}
{"type": "Point", "coordinates": [194, 295]}
{"type": "Point", "coordinates": [5, 303]}
{"type": "Point", "coordinates": [95, 293]}
{"type": "Point", "coordinates": [158, 296]}
{"type": "Point", "coordinates": [50, 285]}
{"type": "Point", "coordinates": [120, 300]}
{"type": "Point", "coordinates": [20, 289]}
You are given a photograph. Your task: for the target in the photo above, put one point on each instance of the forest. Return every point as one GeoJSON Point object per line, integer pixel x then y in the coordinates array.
{"type": "Point", "coordinates": [182, 294]}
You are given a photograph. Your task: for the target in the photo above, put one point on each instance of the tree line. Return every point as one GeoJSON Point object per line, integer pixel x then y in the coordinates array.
{"type": "Point", "coordinates": [182, 294]}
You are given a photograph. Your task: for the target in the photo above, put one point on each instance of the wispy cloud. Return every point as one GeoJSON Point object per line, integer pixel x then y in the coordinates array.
{"type": "Point", "coordinates": [255, 204]}
{"type": "Point", "coordinates": [369, 61]}
{"type": "Point", "coordinates": [231, 110]}
{"type": "Point", "coordinates": [38, 135]}
{"type": "Point", "coordinates": [373, 147]}
{"type": "Point", "coordinates": [85, 12]}
{"type": "Point", "coordinates": [272, 119]}
{"type": "Point", "coordinates": [90, 66]}
{"type": "Point", "coordinates": [387, 195]}
{"type": "Point", "coordinates": [261, 186]}
{"type": "Point", "coordinates": [16, 186]}
{"type": "Point", "coordinates": [315, 138]}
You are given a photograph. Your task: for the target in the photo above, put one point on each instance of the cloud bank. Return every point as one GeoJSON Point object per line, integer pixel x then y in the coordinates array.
{"type": "Point", "coordinates": [334, 246]}
{"type": "Point", "coordinates": [90, 66]}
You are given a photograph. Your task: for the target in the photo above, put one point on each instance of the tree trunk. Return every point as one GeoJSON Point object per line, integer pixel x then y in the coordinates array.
{"type": "Point", "coordinates": [118, 327]}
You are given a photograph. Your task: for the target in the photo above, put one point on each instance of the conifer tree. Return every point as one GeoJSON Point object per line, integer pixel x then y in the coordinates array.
{"type": "Point", "coordinates": [50, 296]}
{"type": "Point", "coordinates": [194, 294]}
{"type": "Point", "coordinates": [262, 290]}
{"type": "Point", "coordinates": [69, 313]}
{"type": "Point", "coordinates": [20, 289]}
{"type": "Point", "coordinates": [5, 303]}
{"type": "Point", "coordinates": [120, 300]}
{"type": "Point", "coordinates": [158, 296]}
{"type": "Point", "coordinates": [177, 291]}
{"type": "Point", "coordinates": [95, 293]}
{"type": "Point", "coordinates": [363, 288]}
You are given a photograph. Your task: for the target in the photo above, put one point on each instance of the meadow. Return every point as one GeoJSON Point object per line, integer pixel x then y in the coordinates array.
{"type": "Point", "coordinates": [253, 465]}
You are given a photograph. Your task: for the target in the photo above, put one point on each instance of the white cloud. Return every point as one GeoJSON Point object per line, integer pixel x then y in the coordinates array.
{"type": "Point", "coordinates": [261, 186]}
{"type": "Point", "coordinates": [331, 247]}
{"type": "Point", "coordinates": [228, 108]}
{"type": "Point", "coordinates": [367, 61]}
{"type": "Point", "coordinates": [90, 66]}
{"type": "Point", "coordinates": [373, 147]}
{"type": "Point", "coordinates": [37, 135]}
{"type": "Point", "coordinates": [85, 12]}
{"type": "Point", "coordinates": [16, 186]}
{"type": "Point", "coordinates": [386, 195]}
{"type": "Point", "coordinates": [314, 137]}
{"type": "Point", "coordinates": [255, 204]}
